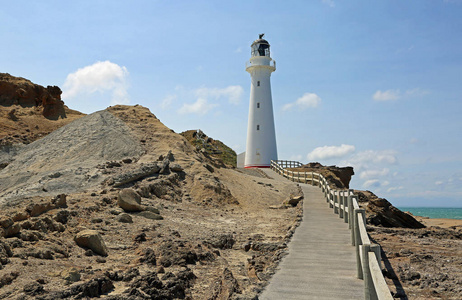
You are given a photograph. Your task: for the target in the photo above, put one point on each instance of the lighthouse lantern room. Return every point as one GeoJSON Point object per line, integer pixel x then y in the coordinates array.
{"type": "Point", "coordinates": [261, 135]}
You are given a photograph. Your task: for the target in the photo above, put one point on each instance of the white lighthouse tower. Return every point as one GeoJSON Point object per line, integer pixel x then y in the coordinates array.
{"type": "Point", "coordinates": [261, 136]}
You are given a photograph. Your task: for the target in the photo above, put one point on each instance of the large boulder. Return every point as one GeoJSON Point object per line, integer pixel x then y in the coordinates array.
{"type": "Point", "coordinates": [91, 239]}
{"type": "Point", "coordinates": [129, 200]}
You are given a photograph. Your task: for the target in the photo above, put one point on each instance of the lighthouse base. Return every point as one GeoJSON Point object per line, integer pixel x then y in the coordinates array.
{"type": "Point", "coordinates": [257, 166]}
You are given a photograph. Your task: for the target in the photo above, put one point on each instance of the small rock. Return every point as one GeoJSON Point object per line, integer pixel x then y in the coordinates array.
{"type": "Point", "coordinates": [100, 260]}
{"type": "Point", "coordinates": [71, 275]}
{"type": "Point", "coordinates": [91, 239]}
{"type": "Point", "coordinates": [140, 237]}
{"type": "Point", "coordinates": [33, 289]}
{"type": "Point", "coordinates": [152, 209]}
{"type": "Point", "coordinates": [62, 216]}
{"type": "Point", "coordinates": [294, 200]}
{"type": "Point", "coordinates": [125, 218]}
{"type": "Point", "coordinates": [114, 212]}
{"type": "Point", "coordinates": [176, 168]}
{"type": "Point", "coordinates": [150, 215]}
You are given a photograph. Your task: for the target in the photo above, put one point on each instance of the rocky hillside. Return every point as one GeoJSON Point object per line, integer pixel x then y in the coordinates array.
{"type": "Point", "coordinates": [29, 111]}
{"type": "Point", "coordinates": [116, 204]}
{"type": "Point", "coordinates": [214, 149]}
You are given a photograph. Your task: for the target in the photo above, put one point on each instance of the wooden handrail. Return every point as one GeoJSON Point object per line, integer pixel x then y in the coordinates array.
{"type": "Point", "coordinates": [345, 204]}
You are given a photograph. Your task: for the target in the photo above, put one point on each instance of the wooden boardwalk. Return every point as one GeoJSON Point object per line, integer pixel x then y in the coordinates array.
{"type": "Point", "coordinates": [321, 263]}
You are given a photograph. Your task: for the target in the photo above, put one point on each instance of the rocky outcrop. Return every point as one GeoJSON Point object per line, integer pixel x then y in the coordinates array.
{"type": "Point", "coordinates": [20, 91]}
{"type": "Point", "coordinates": [339, 177]}
{"type": "Point", "coordinates": [381, 212]}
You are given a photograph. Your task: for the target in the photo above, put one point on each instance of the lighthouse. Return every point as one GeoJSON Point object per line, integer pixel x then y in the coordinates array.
{"type": "Point", "coordinates": [261, 135]}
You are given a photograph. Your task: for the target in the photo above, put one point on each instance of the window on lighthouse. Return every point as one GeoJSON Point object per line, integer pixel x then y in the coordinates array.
{"type": "Point", "coordinates": [258, 127]}
{"type": "Point", "coordinates": [258, 83]}
{"type": "Point", "coordinates": [258, 104]}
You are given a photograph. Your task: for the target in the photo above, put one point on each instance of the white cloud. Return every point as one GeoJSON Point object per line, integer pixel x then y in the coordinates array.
{"type": "Point", "coordinates": [306, 101]}
{"type": "Point", "coordinates": [167, 101]}
{"type": "Point", "coordinates": [100, 77]}
{"type": "Point", "coordinates": [331, 3]}
{"type": "Point", "coordinates": [439, 182]}
{"type": "Point", "coordinates": [371, 183]}
{"type": "Point", "coordinates": [200, 107]}
{"type": "Point", "coordinates": [232, 93]}
{"type": "Point", "coordinates": [363, 158]}
{"type": "Point", "coordinates": [390, 95]}
{"type": "Point", "coordinates": [374, 173]}
{"type": "Point", "coordinates": [387, 95]}
{"type": "Point", "coordinates": [328, 152]}
{"type": "Point", "coordinates": [397, 188]}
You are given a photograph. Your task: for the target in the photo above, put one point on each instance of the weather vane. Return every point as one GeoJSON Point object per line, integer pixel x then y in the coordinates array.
{"type": "Point", "coordinates": [261, 35]}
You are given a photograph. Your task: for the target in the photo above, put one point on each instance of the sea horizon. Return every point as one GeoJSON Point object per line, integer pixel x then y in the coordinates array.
{"type": "Point", "coordinates": [435, 212]}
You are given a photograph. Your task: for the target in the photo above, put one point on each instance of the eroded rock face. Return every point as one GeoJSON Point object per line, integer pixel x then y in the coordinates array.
{"type": "Point", "coordinates": [380, 212]}
{"type": "Point", "coordinates": [20, 91]}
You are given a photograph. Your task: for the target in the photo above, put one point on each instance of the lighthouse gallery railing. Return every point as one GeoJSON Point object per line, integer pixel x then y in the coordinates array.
{"type": "Point", "coordinates": [345, 204]}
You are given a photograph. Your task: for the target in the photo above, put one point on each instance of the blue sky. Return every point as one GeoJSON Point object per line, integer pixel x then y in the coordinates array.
{"type": "Point", "coordinates": [373, 84]}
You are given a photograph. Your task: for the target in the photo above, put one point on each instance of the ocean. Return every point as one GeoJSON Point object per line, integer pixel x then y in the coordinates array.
{"type": "Point", "coordinates": [435, 212]}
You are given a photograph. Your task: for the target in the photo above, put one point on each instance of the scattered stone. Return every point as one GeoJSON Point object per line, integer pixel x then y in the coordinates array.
{"type": "Point", "coordinates": [149, 257]}
{"type": "Point", "coordinates": [293, 201]}
{"type": "Point", "coordinates": [165, 167]}
{"type": "Point", "coordinates": [100, 260]}
{"type": "Point", "coordinates": [20, 216]}
{"type": "Point", "coordinates": [152, 209]}
{"type": "Point", "coordinates": [125, 218]}
{"type": "Point", "coordinates": [129, 200]}
{"type": "Point", "coordinates": [226, 287]}
{"type": "Point", "coordinates": [140, 237]}
{"type": "Point", "coordinates": [150, 215]}
{"type": "Point", "coordinates": [224, 241]}
{"type": "Point", "coordinates": [209, 168]}
{"type": "Point", "coordinates": [37, 209]}
{"type": "Point", "coordinates": [33, 289]}
{"type": "Point", "coordinates": [62, 216]}
{"type": "Point", "coordinates": [176, 168]}
{"type": "Point", "coordinates": [8, 278]}
{"type": "Point", "coordinates": [71, 275]}
{"type": "Point", "coordinates": [91, 239]}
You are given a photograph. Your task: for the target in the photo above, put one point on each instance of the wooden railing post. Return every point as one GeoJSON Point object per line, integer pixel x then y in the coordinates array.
{"type": "Point", "coordinates": [335, 202]}
{"type": "Point", "coordinates": [340, 204]}
{"type": "Point", "coordinates": [346, 214]}
{"type": "Point", "coordinates": [376, 249]}
{"type": "Point", "coordinates": [359, 212]}
{"type": "Point", "coordinates": [312, 179]}
{"type": "Point", "coordinates": [368, 284]}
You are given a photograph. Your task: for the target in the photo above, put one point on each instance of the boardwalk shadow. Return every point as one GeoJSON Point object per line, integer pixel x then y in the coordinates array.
{"type": "Point", "coordinates": [390, 273]}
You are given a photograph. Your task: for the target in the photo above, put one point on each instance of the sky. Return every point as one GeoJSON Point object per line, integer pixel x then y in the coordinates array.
{"type": "Point", "coordinates": [371, 84]}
